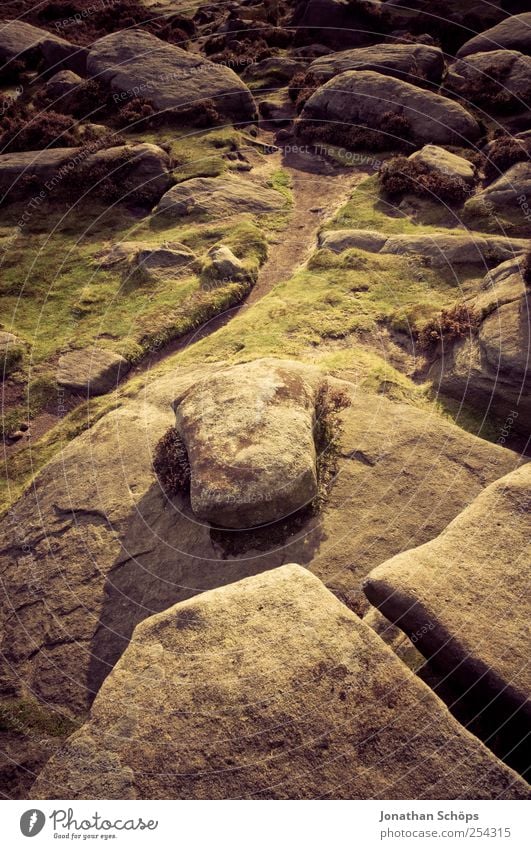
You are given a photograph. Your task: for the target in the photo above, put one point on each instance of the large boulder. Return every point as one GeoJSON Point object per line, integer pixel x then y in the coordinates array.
{"type": "Point", "coordinates": [359, 98]}
{"type": "Point", "coordinates": [513, 33]}
{"type": "Point", "coordinates": [138, 167]}
{"type": "Point", "coordinates": [91, 371]}
{"type": "Point", "coordinates": [505, 203]}
{"type": "Point", "coordinates": [249, 435]}
{"type": "Point", "coordinates": [218, 197]}
{"type": "Point", "coordinates": [411, 62]}
{"type": "Point", "coordinates": [441, 250]}
{"type": "Point", "coordinates": [441, 161]}
{"type": "Point", "coordinates": [502, 73]}
{"type": "Point", "coordinates": [471, 585]}
{"type": "Point", "coordinates": [135, 63]}
{"type": "Point", "coordinates": [99, 546]}
{"type": "Point", "coordinates": [22, 41]}
{"type": "Point", "coordinates": [269, 688]}
{"type": "Point", "coordinates": [489, 370]}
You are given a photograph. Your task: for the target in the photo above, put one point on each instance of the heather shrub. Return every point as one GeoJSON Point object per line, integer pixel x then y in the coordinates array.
{"type": "Point", "coordinates": [395, 136]}
{"type": "Point", "coordinates": [451, 324]}
{"type": "Point", "coordinates": [301, 88]}
{"type": "Point", "coordinates": [329, 403]}
{"type": "Point", "coordinates": [137, 113]}
{"type": "Point", "coordinates": [25, 129]}
{"type": "Point", "coordinates": [402, 176]}
{"type": "Point", "coordinates": [504, 152]}
{"type": "Point", "coordinates": [170, 463]}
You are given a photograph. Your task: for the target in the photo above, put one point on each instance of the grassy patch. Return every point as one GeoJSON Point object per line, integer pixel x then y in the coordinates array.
{"type": "Point", "coordinates": [27, 715]}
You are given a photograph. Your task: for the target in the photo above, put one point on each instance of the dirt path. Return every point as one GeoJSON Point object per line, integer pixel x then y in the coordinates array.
{"type": "Point", "coordinates": [319, 188]}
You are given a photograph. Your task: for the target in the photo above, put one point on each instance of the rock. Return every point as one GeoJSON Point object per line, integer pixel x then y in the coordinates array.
{"type": "Point", "coordinates": [135, 63]}
{"type": "Point", "coordinates": [41, 164]}
{"type": "Point", "coordinates": [506, 71]}
{"type": "Point", "coordinates": [63, 84]}
{"type": "Point", "coordinates": [19, 40]}
{"type": "Point", "coordinates": [168, 258]}
{"type": "Point", "coordinates": [443, 161]}
{"type": "Point", "coordinates": [505, 202]}
{"type": "Point", "coordinates": [335, 718]}
{"type": "Point", "coordinates": [165, 255]}
{"type": "Point", "coordinates": [218, 197]}
{"type": "Point", "coordinates": [96, 543]}
{"type": "Point", "coordinates": [11, 353]}
{"type": "Point", "coordinates": [411, 62]}
{"type": "Point", "coordinates": [489, 371]}
{"type": "Point", "coordinates": [91, 371]}
{"type": "Point", "coordinates": [222, 267]}
{"type": "Point", "coordinates": [249, 435]}
{"type": "Point", "coordinates": [360, 98]}
{"type": "Point", "coordinates": [276, 68]}
{"type": "Point", "coordinates": [441, 250]}
{"type": "Point", "coordinates": [472, 576]}
{"type": "Point", "coordinates": [146, 168]}
{"type": "Point", "coordinates": [513, 33]}
{"type": "Point", "coordinates": [342, 240]}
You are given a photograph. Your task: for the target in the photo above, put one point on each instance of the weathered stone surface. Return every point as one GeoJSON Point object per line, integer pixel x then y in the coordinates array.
{"type": "Point", "coordinates": [92, 371]}
{"type": "Point", "coordinates": [513, 33]}
{"type": "Point", "coordinates": [507, 70]}
{"type": "Point", "coordinates": [411, 62]}
{"type": "Point", "coordinates": [440, 249]}
{"type": "Point", "coordinates": [146, 167]}
{"type": "Point", "coordinates": [508, 195]}
{"type": "Point", "coordinates": [361, 97]}
{"type": "Point", "coordinates": [440, 160]}
{"type": "Point", "coordinates": [218, 196]}
{"type": "Point", "coordinates": [61, 85]}
{"type": "Point", "coordinates": [490, 370]}
{"type": "Point", "coordinates": [137, 64]}
{"type": "Point", "coordinates": [342, 240]}
{"type": "Point", "coordinates": [20, 40]}
{"type": "Point", "coordinates": [96, 543]}
{"type": "Point", "coordinates": [280, 68]}
{"type": "Point", "coordinates": [474, 576]}
{"type": "Point", "coordinates": [337, 709]}
{"type": "Point", "coordinates": [249, 435]}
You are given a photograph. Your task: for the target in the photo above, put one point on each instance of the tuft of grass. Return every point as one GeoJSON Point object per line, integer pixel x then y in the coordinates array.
{"type": "Point", "coordinates": [170, 463]}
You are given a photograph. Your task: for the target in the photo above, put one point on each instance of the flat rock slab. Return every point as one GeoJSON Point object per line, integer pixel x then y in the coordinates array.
{"type": "Point", "coordinates": [19, 39]}
{"type": "Point", "coordinates": [248, 431]}
{"type": "Point", "coordinates": [269, 688]}
{"type": "Point", "coordinates": [471, 584]}
{"type": "Point", "coordinates": [219, 196]}
{"type": "Point", "coordinates": [513, 33]}
{"type": "Point", "coordinates": [414, 63]}
{"type": "Point", "coordinates": [135, 63]}
{"type": "Point", "coordinates": [360, 98]}
{"type": "Point", "coordinates": [92, 371]}
{"type": "Point", "coordinates": [443, 250]}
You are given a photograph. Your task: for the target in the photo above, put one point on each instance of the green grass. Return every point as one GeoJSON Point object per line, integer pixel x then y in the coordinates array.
{"type": "Point", "coordinates": [28, 716]}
